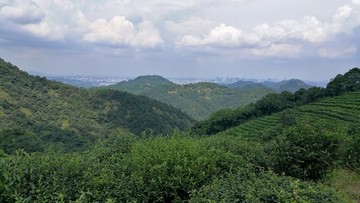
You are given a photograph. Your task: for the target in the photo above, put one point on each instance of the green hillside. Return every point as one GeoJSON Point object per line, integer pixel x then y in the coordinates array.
{"type": "Point", "coordinates": [197, 100]}
{"type": "Point", "coordinates": [52, 112]}
{"type": "Point", "coordinates": [342, 111]}
{"type": "Point", "coordinates": [276, 102]}
{"type": "Point", "coordinates": [292, 85]}
{"type": "Point", "coordinates": [301, 147]}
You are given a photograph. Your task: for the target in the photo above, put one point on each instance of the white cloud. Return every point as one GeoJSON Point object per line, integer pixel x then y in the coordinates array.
{"type": "Point", "coordinates": [120, 31]}
{"type": "Point", "coordinates": [282, 38]}
{"type": "Point", "coordinates": [22, 12]}
{"type": "Point", "coordinates": [310, 29]}
{"type": "Point", "coordinates": [218, 26]}
{"type": "Point", "coordinates": [223, 35]}
{"type": "Point", "coordinates": [355, 2]}
{"type": "Point", "coordinates": [278, 50]}
{"type": "Point", "coordinates": [192, 25]}
{"type": "Point", "coordinates": [270, 33]}
{"type": "Point", "coordinates": [347, 17]}
{"type": "Point", "coordinates": [65, 4]}
{"type": "Point", "coordinates": [52, 32]}
{"type": "Point", "coordinates": [331, 53]}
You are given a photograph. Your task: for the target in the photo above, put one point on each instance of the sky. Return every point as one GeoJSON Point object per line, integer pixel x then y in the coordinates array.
{"type": "Point", "coordinates": [278, 39]}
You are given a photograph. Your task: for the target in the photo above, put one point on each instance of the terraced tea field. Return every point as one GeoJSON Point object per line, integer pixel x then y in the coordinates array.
{"type": "Point", "coordinates": [343, 109]}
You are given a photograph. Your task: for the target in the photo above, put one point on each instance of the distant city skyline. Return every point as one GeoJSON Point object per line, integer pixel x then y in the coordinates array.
{"type": "Point", "coordinates": [91, 81]}
{"type": "Point", "coordinates": [256, 39]}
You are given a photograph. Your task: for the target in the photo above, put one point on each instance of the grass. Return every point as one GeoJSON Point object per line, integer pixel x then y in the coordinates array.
{"type": "Point", "coordinates": [347, 183]}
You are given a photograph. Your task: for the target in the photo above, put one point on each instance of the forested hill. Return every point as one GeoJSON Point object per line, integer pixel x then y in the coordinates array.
{"type": "Point", "coordinates": [197, 100]}
{"type": "Point", "coordinates": [292, 85]}
{"type": "Point", "coordinates": [276, 102]}
{"type": "Point", "coordinates": [35, 110]}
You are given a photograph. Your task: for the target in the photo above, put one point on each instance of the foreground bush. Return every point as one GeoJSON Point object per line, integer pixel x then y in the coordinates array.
{"type": "Point", "coordinates": [168, 169]}
{"type": "Point", "coordinates": [65, 177]}
{"type": "Point", "coordinates": [161, 169]}
{"type": "Point", "coordinates": [263, 187]}
{"type": "Point", "coordinates": [308, 150]}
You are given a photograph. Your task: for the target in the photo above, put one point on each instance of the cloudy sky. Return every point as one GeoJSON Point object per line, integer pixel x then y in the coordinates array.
{"type": "Point", "coordinates": [282, 39]}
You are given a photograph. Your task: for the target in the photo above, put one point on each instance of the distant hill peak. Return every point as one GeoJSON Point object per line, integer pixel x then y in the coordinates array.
{"type": "Point", "coordinates": [151, 78]}
{"type": "Point", "coordinates": [291, 85]}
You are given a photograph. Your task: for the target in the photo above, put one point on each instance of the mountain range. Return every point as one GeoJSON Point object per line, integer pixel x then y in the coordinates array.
{"type": "Point", "coordinates": [291, 85]}
{"type": "Point", "coordinates": [198, 100]}
{"type": "Point", "coordinates": [201, 99]}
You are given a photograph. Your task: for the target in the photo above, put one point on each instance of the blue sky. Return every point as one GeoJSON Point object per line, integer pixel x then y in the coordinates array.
{"type": "Point", "coordinates": [309, 40]}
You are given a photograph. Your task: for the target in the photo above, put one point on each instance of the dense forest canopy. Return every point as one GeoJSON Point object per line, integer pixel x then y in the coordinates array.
{"type": "Point", "coordinates": [74, 117]}
{"type": "Point", "coordinates": [197, 100]}
{"type": "Point", "coordinates": [291, 85]}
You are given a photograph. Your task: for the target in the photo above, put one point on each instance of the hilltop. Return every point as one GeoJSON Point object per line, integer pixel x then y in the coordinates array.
{"type": "Point", "coordinates": [291, 85]}
{"type": "Point", "coordinates": [198, 100]}
{"type": "Point", "coordinates": [52, 112]}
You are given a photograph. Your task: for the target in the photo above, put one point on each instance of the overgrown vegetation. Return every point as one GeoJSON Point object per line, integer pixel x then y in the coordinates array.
{"type": "Point", "coordinates": [197, 100]}
{"type": "Point", "coordinates": [158, 169]}
{"type": "Point", "coordinates": [273, 103]}
{"type": "Point", "coordinates": [284, 148]}
{"type": "Point", "coordinates": [36, 111]}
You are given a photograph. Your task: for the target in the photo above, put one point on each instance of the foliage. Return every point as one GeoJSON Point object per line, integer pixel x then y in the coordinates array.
{"type": "Point", "coordinates": [197, 100]}
{"type": "Point", "coordinates": [123, 168]}
{"type": "Point", "coordinates": [245, 186]}
{"type": "Point", "coordinates": [251, 151]}
{"type": "Point", "coordinates": [304, 141]}
{"type": "Point", "coordinates": [63, 177]}
{"type": "Point", "coordinates": [349, 82]}
{"type": "Point", "coordinates": [168, 169]}
{"type": "Point", "coordinates": [13, 139]}
{"type": "Point", "coordinates": [273, 103]}
{"type": "Point", "coordinates": [347, 182]}
{"type": "Point", "coordinates": [292, 85]}
{"type": "Point", "coordinates": [308, 150]}
{"type": "Point", "coordinates": [138, 115]}
{"type": "Point", "coordinates": [353, 150]}
{"type": "Point", "coordinates": [73, 118]}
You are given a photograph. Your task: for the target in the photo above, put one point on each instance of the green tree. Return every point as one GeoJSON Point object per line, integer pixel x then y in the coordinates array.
{"type": "Point", "coordinates": [15, 139]}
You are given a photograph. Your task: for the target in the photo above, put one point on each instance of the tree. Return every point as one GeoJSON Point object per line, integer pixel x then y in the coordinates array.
{"type": "Point", "coordinates": [14, 139]}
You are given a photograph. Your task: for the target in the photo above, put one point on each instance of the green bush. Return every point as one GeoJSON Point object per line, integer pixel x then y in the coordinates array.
{"type": "Point", "coordinates": [168, 169]}
{"type": "Point", "coordinates": [263, 187]}
{"type": "Point", "coordinates": [40, 178]}
{"type": "Point", "coordinates": [352, 151]}
{"type": "Point", "coordinates": [91, 176]}
{"type": "Point", "coordinates": [308, 150]}
{"type": "Point", "coordinates": [252, 152]}
{"type": "Point", "coordinates": [14, 139]}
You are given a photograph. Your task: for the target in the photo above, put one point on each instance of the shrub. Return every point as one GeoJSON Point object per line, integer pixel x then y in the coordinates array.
{"type": "Point", "coordinates": [352, 151]}
{"type": "Point", "coordinates": [168, 169]}
{"type": "Point", "coordinates": [93, 176]}
{"type": "Point", "coordinates": [14, 139]}
{"type": "Point", "coordinates": [252, 152]}
{"type": "Point", "coordinates": [308, 150]}
{"type": "Point", "coordinates": [246, 186]}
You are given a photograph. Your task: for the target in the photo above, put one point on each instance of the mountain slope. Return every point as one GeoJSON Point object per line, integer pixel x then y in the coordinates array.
{"type": "Point", "coordinates": [273, 103]}
{"type": "Point", "coordinates": [64, 114]}
{"type": "Point", "coordinates": [197, 100]}
{"type": "Point", "coordinates": [341, 110]}
{"type": "Point", "coordinates": [292, 85]}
